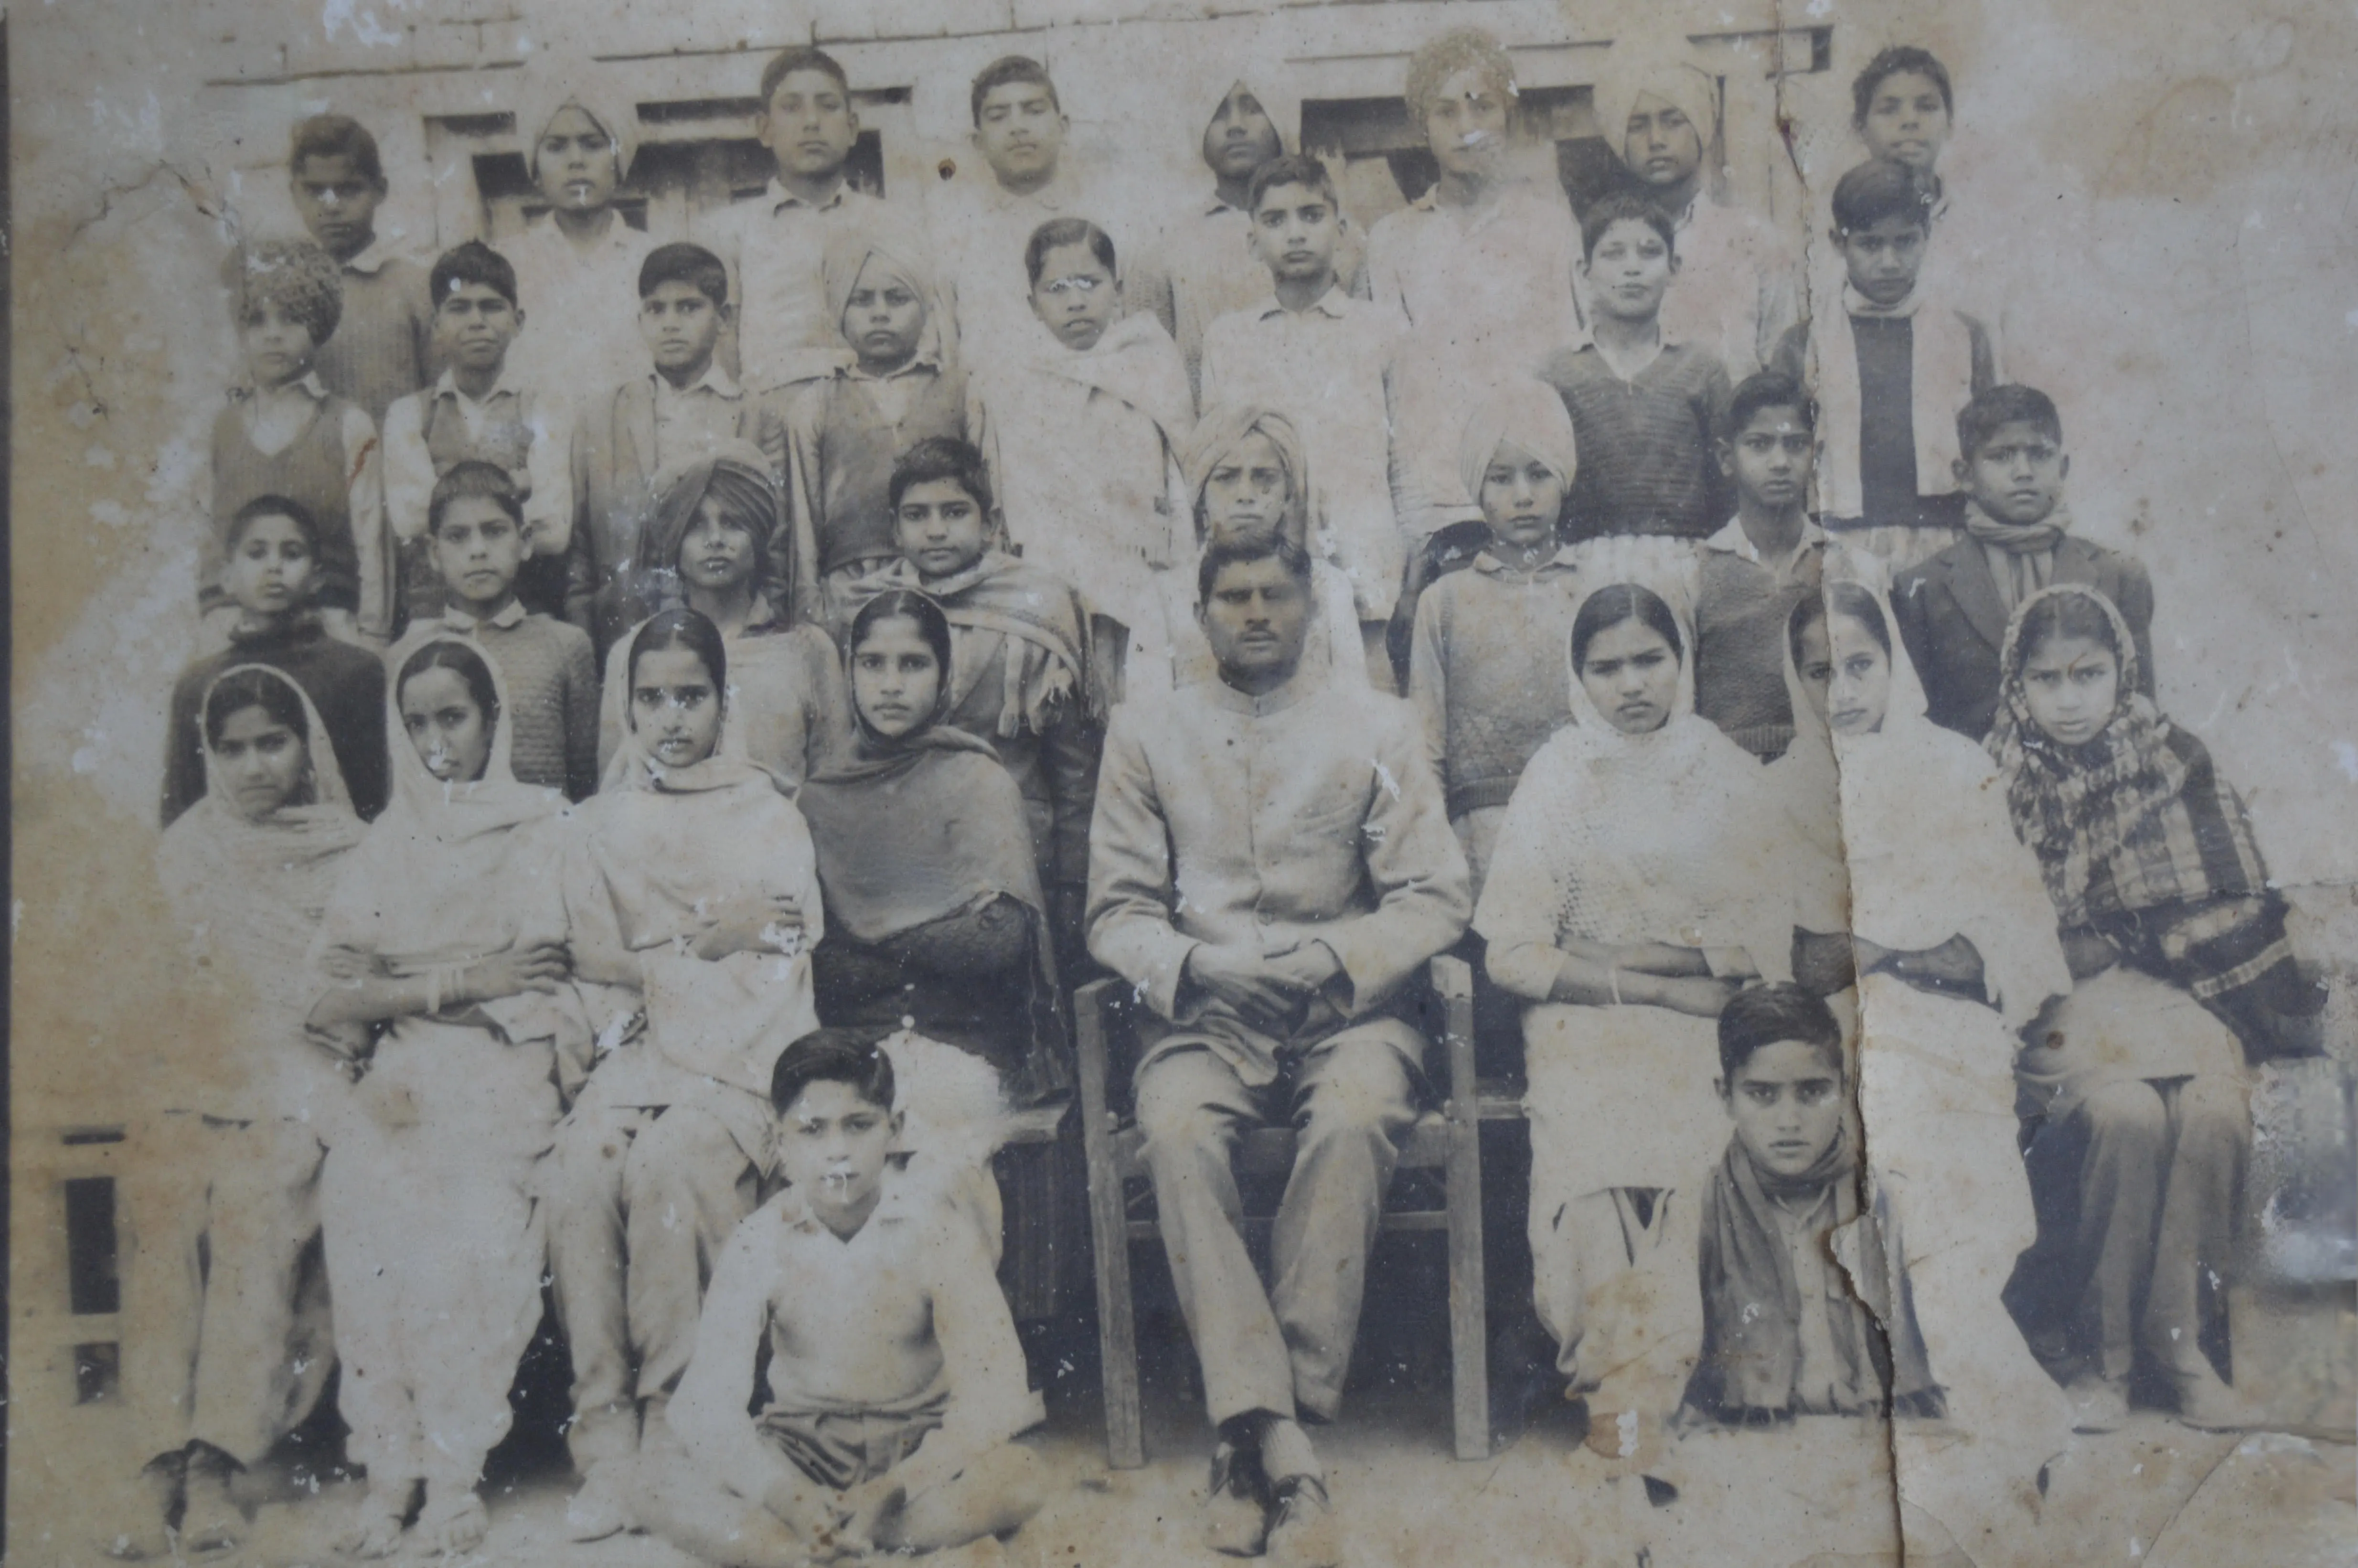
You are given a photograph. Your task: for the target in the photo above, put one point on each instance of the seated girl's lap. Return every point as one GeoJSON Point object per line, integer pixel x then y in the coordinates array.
{"type": "Point", "coordinates": [2121, 1025]}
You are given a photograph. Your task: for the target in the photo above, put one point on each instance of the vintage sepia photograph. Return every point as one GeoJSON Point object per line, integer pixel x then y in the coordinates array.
{"type": "Point", "coordinates": [1106, 784]}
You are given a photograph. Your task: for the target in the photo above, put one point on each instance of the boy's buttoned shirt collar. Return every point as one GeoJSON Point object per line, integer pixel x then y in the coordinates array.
{"type": "Point", "coordinates": [1735, 541]}
{"type": "Point", "coordinates": [473, 409]}
{"type": "Point", "coordinates": [466, 624]}
{"type": "Point", "coordinates": [1333, 304]}
{"type": "Point", "coordinates": [308, 383]}
{"type": "Point", "coordinates": [1566, 559]}
{"type": "Point", "coordinates": [370, 259]}
{"type": "Point", "coordinates": [776, 200]}
{"type": "Point", "coordinates": [715, 381]}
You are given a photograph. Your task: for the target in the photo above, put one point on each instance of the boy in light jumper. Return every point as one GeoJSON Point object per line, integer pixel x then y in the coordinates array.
{"type": "Point", "coordinates": [1323, 360]}
{"type": "Point", "coordinates": [896, 1381]}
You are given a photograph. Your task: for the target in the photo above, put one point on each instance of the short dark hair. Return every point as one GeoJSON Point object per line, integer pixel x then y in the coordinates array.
{"type": "Point", "coordinates": [475, 478]}
{"type": "Point", "coordinates": [1057, 233]}
{"type": "Point", "coordinates": [1243, 545]}
{"type": "Point", "coordinates": [1006, 69]}
{"type": "Point", "coordinates": [1624, 207]}
{"type": "Point", "coordinates": [833, 1056]}
{"type": "Point", "coordinates": [940, 458]}
{"type": "Point", "coordinates": [474, 263]}
{"type": "Point", "coordinates": [2013, 403]}
{"type": "Point", "coordinates": [335, 136]}
{"type": "Point", "coordinates": [1765, 389]}
{"type": "Point", "coordinates": [1880, 188]}
{"type": "Point", "coordinates": [1611, 605]}
{"type": "Point", "coordinates": [682, 263]}
{"type": "Point", "coordinates": [681, 628]}
{"type": "Point", "coordinates": [786, 62]}
{"type": "Point", "coordinates": [267, 690]}
{"type": "Point", "coordinates": [263, 506]}
{"type": "Point", "coordinates": [1898, 60]}
{"type": "Point", "coordinates": [1293, 169]}
{"type": "Point", "coordinates": [1855, 602]}
{"type": "Point", "coordinates": [1760, 1016]}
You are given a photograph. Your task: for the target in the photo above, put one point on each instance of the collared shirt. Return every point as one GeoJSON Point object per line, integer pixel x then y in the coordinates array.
{"type": "Point", "coordinates": [1736, 542]}
{"type": "Point", "coordinates": [697, 417]}
{"type": "Point", "coordinates": [1325, 368]}
{"type": "Point", "coordinates": [903, 1314]}
{"type": "Point", "coordinates": [1487, 295]}
{"type": "Point", "coordinates": [581, 305]}
{"type": "Point", "coordinates": [1262, 824]}
{"type": "Point", "coordinates": [772, 246]}
{"type": "Point", "coordinates": [1204, 265]}
{"type": "Point", "coordinates": [506, 416]}
{"type": "Point", "coordinates": [892, 389]}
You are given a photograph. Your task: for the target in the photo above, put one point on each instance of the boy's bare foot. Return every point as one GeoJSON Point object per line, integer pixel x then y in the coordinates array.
{"type": "Point", "coordinates": [375, 1531]}
{"type": "Point", "coordinates": [2206, 1403]}
{"type": "Point", "coordinates": [153, 1505]}
{"type": "Point", "coordinates": [1236, 1507]}
{"type": "Point", "coordinates": [2099, 1404]}
{"type": "Point", "coordinates": [1303, 1532]}
{"type": "Point", "coordinates": [451, 1522]}
{"type": "Point", "coordinates": [211, 1520]}
{"type": "Point", "coordinates": [602, 1506]}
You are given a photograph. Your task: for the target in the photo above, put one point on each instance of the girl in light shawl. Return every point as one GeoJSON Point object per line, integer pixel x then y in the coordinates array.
{"type": "Point", "coordinates": [1954, 953]}
{"type": "Point", "coordinates": [1082, 432]}
{"type": "Point", "coordinates": [692, 890]}
{"type": "Point", "coordinates": [711, 548]}
{"type": "Point", "coordinates": [445, 983]}
{"type": "Point", "coordinates": [1622, 906]}
{"type": "Point", "coordinates": [578, 263]}
{"type": "Point", "coordinates": [1246, 470]}
{"type": "Point", "coordinates": [2177, 945]}
{"type": "Point", "coordinates": [937, 933]}
{"type": "Point", "coordinates": [891, 386]}
{"type": "Point", "coordinates": [227, 1343]}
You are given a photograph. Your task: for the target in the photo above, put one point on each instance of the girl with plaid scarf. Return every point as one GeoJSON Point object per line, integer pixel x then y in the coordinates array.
{"type": "Point", "coordinates": [2132, 1086]}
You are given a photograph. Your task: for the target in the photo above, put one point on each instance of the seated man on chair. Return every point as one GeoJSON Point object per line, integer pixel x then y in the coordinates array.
{"type": "Point", "coordinates": [1270, 861]}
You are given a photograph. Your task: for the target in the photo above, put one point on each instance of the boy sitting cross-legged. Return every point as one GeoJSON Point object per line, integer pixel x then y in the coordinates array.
{"type": "Point", "coordinates": [897, 1382]}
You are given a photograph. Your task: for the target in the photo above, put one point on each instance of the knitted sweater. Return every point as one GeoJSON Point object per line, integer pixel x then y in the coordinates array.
{"type": "Point", "coordinates": [1489, 676]}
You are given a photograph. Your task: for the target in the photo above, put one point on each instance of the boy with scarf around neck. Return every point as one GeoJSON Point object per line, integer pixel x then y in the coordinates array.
{"type": "Point", "coordinates": [1269, 865]}
{"type": "Point", "coordinates": [1785, 1333]}
{"type": "Point", "coordinates": [1953, 609]}
{"type": "Point", "coordinates": [1886, 368]}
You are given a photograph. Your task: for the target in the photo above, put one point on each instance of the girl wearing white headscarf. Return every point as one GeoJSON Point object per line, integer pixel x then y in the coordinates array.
{"type": "Point", "coordinates": [444, 981]}
{"type": "Point", "coordinates": [578, 264]}
{"type": "Point", "coordinates": [1954, 954]}
{"type": "Point", "coordinates": [228, 1346]}
{"type": "Point", "coordinates": [693, 889]}
{"type": "Point", "coordinates": [1621, 906]}
{"type": "Point", "coordinates": [1738, 288]}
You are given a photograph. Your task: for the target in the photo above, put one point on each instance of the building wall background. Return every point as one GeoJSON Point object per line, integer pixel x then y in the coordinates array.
{"type": "Point", "coordinates": [2177, 185]}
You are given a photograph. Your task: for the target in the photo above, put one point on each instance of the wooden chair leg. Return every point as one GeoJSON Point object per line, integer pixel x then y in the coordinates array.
{"type": "Point", "coordinates": [1109, 1238]}
{"type": "Point", "coordinates": [1469, 1379]}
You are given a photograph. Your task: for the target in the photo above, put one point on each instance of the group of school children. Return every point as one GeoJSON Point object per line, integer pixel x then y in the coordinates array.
{"type": "Point", "coordinates": [648, 796]}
